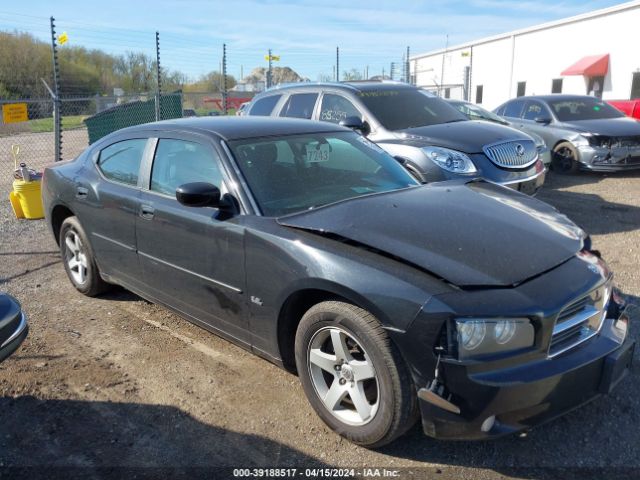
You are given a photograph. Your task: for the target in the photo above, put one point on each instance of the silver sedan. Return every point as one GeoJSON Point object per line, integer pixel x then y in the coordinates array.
{"type": "Point", "coordinates": [582, 132]}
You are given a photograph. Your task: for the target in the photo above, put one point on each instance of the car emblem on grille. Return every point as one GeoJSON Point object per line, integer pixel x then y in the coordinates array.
{"type": "Point", "coordinates": [519, 150]}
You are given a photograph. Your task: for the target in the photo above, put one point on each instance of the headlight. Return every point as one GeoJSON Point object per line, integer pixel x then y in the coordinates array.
{"type": "Point", "coordinates": [487, 336]}
{"type": "Point", "coordinates": [450, 160]}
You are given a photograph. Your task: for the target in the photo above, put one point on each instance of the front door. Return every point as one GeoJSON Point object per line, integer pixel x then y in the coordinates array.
{"type": "Point", "coordinates": [192, 258]}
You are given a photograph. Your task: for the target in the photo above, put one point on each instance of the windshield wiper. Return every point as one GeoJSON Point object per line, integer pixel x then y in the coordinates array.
{"type": "Point", "coordinates": [457, 120]}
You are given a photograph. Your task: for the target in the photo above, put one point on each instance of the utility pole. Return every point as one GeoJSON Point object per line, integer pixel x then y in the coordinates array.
{"type": "Point", "coordinates": [446, 47]}
{"type": "Point", "coordinates": [57, 126]}
{"type": "Point", "coordinates": [337, 64]}
{"type": "Point", "coordinates": [269, 71]}
{"type": "Point", "coordinates": [158, 79]}
{"type": "Point", "coordinates": [391, 71]}
{"type": "Point", "coordinates": [366, 73]}
{"type": "Point", "coordinates": [408, 68]}
{"type": "Point", "coordinates": [241, 72]}
{"type": "Point", "coordinates": [224, 78]}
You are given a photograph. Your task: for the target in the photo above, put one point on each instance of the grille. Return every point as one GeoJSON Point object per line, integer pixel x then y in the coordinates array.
{"type": "Point", "coordinates": [579, 321]}
{"type": "Point", "coordinates": [512, 154]}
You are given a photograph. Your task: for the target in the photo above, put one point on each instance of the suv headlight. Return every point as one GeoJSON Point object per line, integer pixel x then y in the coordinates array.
{"type": "Point", "coordinates": [487, 336]}
{"type": "Point", "coordinates": [450, 160]}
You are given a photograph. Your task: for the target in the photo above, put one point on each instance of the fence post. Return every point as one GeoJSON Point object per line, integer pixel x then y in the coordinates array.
{"type": "Point", "coordinates": [269, 71]}
{"type": "Point", "coordinates": [57, 121]}
{"type": "Point", "coordinates": [407, 74]}
{"type": "Point", "coordinates": [158, 79]}
{"type": "Point", "coordinates": [224, 78]}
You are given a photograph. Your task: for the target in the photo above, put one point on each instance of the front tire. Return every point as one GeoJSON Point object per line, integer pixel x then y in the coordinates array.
{"type": "Point", "coordinates": [353, 375]}
{"type": "Point", "coordinates": [565, 158]}
{"type": "Point", "coordinates": [79, 260]}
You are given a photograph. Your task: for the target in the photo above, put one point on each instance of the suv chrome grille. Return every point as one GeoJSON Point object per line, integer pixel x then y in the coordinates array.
{"type": "Point", "coordinates": [512, 154]}
{"type": "Point", "coordinates": [579, 321]}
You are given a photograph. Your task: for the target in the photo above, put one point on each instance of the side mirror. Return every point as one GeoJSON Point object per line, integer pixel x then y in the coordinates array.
{"type": "Point", "coordinates": [199, 194]}
{"type": "Point", "coordinates": [543, 120]}
{"type": "Point", "coordinates": [357, 124]}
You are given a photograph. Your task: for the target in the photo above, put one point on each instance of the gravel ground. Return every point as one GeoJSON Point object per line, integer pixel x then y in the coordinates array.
{"type": "Point", "coordinates": [119, 382]}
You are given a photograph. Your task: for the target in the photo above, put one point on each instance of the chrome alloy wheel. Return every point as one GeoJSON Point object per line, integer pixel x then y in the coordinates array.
{"type": "Point", "coordinates": [76, 257]}
{"type": "Point", "coordinates": [343, 376]}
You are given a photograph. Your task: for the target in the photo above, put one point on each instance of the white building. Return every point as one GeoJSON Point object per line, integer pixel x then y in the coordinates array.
{"type": "Point", "coordinates": [593, 53]}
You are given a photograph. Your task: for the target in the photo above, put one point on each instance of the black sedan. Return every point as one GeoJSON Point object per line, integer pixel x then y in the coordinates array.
{"type": "Point", "coordinates": [480, 308]}
{"type": "Point", "coordinates": [13, 325]}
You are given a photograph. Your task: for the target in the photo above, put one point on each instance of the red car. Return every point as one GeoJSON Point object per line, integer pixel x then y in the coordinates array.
{"type": "Point", "coordinates": [631, 108]}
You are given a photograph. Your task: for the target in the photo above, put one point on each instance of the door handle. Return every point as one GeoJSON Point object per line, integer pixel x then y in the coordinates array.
{"type": "Point", "coordinates": [82, 192]}
{"type": "Point", "coordinates": [147, 212]}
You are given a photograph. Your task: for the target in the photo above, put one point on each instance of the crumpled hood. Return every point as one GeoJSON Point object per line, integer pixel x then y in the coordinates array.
{"type": "Point", "coordinates": [470, 234]}
{"type": "Point", "coordinates": [466, 136]}
{"type": "Point", "coordinates": [611, 127]}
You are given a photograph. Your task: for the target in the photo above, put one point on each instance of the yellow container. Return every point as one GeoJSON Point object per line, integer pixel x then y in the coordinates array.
{"type": "Point", "coordinates": [26, 199]}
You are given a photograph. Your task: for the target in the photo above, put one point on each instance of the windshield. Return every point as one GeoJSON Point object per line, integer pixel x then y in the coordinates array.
{"type": "Point", "coordinates": [289, 174]}
{"type": "Point", "coordinates": [474, 112]}
{"type": "Point", "coordinates": [406, 108]}
{"type": "Point", "coordinates": [583, 109]}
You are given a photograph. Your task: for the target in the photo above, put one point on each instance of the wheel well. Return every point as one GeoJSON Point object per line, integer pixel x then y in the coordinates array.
{"type": "Point", "coordinates": [558, 143]}
{"type": "Point", "coordinates": [290, 315]}
{"type": "Point", "coordinates": [58, 215]}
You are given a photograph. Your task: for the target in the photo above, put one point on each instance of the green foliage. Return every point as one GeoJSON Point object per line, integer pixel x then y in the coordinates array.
{"type": "Point", "coordinates": [25, 61]}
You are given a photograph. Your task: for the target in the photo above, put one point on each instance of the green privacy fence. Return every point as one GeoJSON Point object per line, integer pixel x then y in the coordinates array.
{"type": "Point", "coordinates": [132, 113]}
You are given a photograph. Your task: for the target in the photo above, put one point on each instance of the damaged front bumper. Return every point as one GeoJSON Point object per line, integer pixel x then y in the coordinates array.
{"type": "Point", "coordinates": [603, 159]}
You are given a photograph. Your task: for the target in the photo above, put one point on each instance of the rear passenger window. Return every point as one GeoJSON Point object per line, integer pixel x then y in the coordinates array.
{"type": "Point", "coordinates": [513, 109]}
{"type": "Point", "coordinates": [120, 162]}
{"type": "Point", "coordinates": [264, 106]}
{"type": "Point", "coordinates": [178, 162]}
{"type": "Point", "coordinates": [335, 108]}
{"type": "Point", "coordinates": [300, 105]}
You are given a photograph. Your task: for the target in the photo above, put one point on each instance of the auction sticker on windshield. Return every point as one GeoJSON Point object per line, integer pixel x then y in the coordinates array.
{"type": "Point", "coordinates": [318, 152]}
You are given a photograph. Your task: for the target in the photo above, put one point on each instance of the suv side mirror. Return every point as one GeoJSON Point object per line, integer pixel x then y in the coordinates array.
{"type": "Point", "coordinates": [543, 120]}
{"type": "Point", "coordinates": [357, 124]}
{"type": "Point", "coordinates": [199, 194]}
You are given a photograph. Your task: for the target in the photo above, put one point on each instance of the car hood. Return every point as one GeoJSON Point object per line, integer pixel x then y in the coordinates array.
{"type": "Point", "coordinates": [611, 127]}
{"type": "Point", "coordinates": [466, 136]}
{"type": "Point", "coordinates": [468, 233]}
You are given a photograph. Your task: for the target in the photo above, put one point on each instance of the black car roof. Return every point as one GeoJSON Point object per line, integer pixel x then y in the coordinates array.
{"type": "Point", "coordinates": [234, 128]}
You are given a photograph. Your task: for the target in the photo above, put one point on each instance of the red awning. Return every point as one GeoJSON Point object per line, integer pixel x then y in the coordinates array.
{"type": "Point", "coordinates": [592, 66]}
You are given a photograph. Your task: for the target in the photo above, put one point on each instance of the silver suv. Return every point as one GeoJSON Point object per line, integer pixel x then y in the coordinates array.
{"type": "Point", "coordinates": [432, 139]}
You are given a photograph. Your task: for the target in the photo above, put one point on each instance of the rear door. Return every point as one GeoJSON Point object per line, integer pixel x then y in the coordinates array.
{"type": "Point", "coordinates": [192, 258]}
{"type": "Point", "coordinates": [107, 208]}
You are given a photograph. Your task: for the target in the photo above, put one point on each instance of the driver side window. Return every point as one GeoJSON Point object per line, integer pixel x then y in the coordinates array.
{"type": "Point", "coordinates": [178, 162]}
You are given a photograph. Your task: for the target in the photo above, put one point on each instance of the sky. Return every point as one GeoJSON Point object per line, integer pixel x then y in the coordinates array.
{"type": "Point", "coordinates": [304, 33]}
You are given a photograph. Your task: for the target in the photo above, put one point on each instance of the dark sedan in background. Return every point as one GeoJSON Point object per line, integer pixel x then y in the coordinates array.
{"type": "Point", "coordinates": [477, 307]}
{"type": "Point", "coordinates": [582, 132]}
{"type": "Point", "coordinates": [428, 136]}
{"type": "Point", "coordinates": [13, 325]}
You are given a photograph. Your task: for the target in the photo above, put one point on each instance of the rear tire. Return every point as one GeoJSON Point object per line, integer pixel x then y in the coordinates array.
{"type": "Point", "coordinates": [79, 260]}
{"type": "Point", "coordinates": [565, 158]}
{"type": "Point", "coordinates": [353, 376]}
